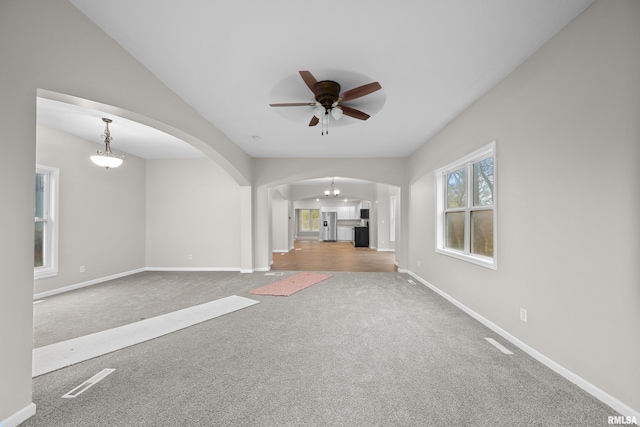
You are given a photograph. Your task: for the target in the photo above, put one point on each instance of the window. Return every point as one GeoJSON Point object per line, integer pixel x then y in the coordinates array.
{"type": "Point", "coordinates": [45, 254]}
{"type": "Point", "coordinates": [309, 220]}
{"type": "Point", "coordinates": [466, 208]}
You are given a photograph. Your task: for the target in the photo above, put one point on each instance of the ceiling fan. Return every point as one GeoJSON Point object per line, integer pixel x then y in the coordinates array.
{"type": "Point", "coordinates": [329, 99]}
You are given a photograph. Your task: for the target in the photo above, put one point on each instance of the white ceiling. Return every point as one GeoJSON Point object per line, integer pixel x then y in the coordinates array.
{"type": "Point", "coordinates": [128, 136]}
{"type": "Point", "coordinates": [230, 59]}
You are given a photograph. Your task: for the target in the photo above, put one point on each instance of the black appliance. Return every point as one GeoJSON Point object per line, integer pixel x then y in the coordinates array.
{"type": "Point", "coordinates": [361, 237]}
{"type": "Point", "coordinates": [364, 213]}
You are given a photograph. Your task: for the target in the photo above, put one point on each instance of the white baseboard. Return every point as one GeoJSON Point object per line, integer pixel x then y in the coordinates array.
{"type": "Point", "coordinates": [192, 269]}
{"type": "Point", "coordinates": [20, 416]}
{"type": "Point", "coordinates": [128, 273]}
{"type": "Point", "coordinates": [381, 250]}
{"type": "Point", "coordinates": [596, 392]}
{"type": "Point", "coordinates": [84, 284]}
{"type": "Point", "coordinates": [280, 250]}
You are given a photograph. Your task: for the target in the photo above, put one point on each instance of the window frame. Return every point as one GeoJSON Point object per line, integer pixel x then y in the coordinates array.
{"type": "Point", "coordinates": [310, 222]}
{"type": "Point", "coordinates": [50, 221]}
{"type": "Point", "coordinates": [467, 162]}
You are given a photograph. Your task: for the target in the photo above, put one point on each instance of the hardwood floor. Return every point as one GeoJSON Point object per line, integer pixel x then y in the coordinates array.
{"type": "Point", "coordinates": [333, 256]}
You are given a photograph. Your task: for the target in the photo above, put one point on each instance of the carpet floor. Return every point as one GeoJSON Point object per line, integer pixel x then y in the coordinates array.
{"type": "Point", "coordinates": [66, 353]}
{"type": "Point", "coordinates": [363, 349]}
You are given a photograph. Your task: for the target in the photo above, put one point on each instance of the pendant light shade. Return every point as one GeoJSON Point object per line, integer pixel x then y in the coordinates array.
{"type": "Point", "coordinates": [106, 158]}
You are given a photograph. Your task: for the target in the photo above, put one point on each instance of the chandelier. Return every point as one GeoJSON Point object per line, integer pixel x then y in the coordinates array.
{"type": "Point", "coordinates": [106, 158]}
{"type": "Point", "coordinates": [332, 191]}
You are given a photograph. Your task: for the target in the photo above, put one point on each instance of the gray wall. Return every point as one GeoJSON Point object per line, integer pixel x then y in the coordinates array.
{"type": "Point", "coordinates": [50, 45]}
{"type": "Point", "coordinates": [192, 209]}
{"type": "Point", "coordinates": [567, 125]}
{"type": "Point", "coordinates": [381, 215]}
{"type": "Point", "coordinates": [150, 213]}
{"type": "Point", "coordinates": [281, 222]}
{"type": "Point", "coordinates": [102, 212]}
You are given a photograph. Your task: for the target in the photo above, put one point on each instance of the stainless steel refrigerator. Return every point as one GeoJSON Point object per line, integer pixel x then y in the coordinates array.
{"type": "Point", "coordinates": [329, 226]}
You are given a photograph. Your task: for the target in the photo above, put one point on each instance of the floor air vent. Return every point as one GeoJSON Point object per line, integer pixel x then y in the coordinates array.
{"type": "Point", "coordinates": [87, 384]}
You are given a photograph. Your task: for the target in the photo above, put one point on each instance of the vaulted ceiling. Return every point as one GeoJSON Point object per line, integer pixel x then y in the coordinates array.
{"type": "Point", "coordinates": [230, 59]}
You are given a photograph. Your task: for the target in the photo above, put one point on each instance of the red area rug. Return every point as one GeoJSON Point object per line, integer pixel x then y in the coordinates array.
{"type": "Point", "coordinates": [290, 285]}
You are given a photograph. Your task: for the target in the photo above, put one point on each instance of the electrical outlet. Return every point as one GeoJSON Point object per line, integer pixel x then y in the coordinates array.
{"type": "Point", "coordinates": [82, 269]}
{"type": "Point", "coordinates": [523, 314]}
{"type": "Point", "coordinates": [190, 256]}
{"type": "Point", "coordinates": [418, 263]}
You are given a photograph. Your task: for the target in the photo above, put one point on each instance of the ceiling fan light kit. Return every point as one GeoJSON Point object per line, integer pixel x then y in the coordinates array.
{"type": "Point", "coordinates": [329, 100]}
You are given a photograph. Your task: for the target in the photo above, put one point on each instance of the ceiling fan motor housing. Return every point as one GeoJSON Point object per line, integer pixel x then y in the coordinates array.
{"type": "Point", "coordinates": [327, 93]}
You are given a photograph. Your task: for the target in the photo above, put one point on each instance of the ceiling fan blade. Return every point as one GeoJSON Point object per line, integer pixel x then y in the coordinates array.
{"type": "Point", "coordinates": [314, 121]}
{"type": "Point", "coordinates": [309, 80]}
{"type": "Point", "coordinates": [294, 104]}
{"type": "Point", "coordinates": [360, 91]}
{"type": "Point", "coordinates": [352, 112]}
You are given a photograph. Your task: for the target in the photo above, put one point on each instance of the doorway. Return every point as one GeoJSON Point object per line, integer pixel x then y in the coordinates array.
{"type": "Point", "coordinates": [314, 255]}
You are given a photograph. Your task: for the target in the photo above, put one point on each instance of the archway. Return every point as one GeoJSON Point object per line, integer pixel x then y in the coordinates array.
{"type": "Point", "coordinates": [296, 208]}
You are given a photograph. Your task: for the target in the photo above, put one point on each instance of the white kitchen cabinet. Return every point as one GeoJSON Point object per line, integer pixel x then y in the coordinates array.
{"type": "Point", "coordinates": [347, 212]}
{"type": "Point", "coordinates": [345, 233]}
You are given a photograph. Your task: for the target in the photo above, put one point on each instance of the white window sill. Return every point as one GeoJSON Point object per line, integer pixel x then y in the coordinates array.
{"type": "Point", "coordinates": [474, 259]}
{"type": "Point", "coordinates": [44, 273]}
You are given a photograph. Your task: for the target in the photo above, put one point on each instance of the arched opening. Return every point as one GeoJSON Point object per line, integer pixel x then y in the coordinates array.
{"type": "Point", "coordinates": [79, 114]}
{"type": "Point", "coordinates": [160, 210]}
{"type": "Point", "coordinates": [352, 228]}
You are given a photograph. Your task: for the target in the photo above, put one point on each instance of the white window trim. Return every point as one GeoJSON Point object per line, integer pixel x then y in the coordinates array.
{"type": "Point", "coordinates": [50, 267]}
{"type": "Point", "coordinates": [482, 153]}
{"type": "Point", "coordinates": [300, 231]}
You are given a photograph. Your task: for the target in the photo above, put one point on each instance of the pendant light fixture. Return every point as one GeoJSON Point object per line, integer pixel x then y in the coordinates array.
{"type": "Point", "coordinates": [333, 191]}
{"type": "Point", "coordinates": [107, 159]}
